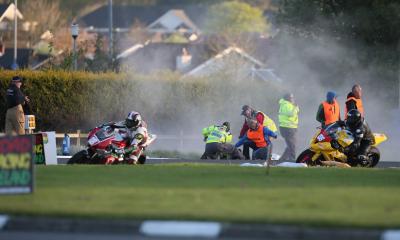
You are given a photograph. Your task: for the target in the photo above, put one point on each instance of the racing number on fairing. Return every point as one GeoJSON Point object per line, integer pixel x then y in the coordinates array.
{"type": "Point", "coordinates": [320, 137]}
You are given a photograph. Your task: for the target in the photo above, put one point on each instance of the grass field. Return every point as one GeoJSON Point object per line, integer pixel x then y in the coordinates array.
{"type": "Point", "coordinates": [314, 197]}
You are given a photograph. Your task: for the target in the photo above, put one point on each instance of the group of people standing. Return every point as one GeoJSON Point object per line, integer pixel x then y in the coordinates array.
{"type": "Point", "coordinates": [329, 110]}
{"type": "Point", "coordinates": [258, 129]}
{"type": "Point", "coordinates": [257, 132]}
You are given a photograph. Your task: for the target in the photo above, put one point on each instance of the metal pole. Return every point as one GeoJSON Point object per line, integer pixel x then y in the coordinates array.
{"type": "Point", "coordinates": [75, 57]}
{"type": "Point", "coordinates": [110, 8]}
{"type": "Point", "coordinates": [15, 65]}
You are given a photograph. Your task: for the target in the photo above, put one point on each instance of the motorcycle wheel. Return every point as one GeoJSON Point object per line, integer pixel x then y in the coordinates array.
{"type": "Point", "coordinates": [374, 156]}
{"type": "Point", "coordinates": [142, 159]}
{"type": "Point", "coordinates": [306, 157]}
{"type": "Point", "coordinates": [79, 158]}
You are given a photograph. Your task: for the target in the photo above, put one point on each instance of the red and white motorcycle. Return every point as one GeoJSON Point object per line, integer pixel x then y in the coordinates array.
{"type": "Point", "coordinates": [107, 145]}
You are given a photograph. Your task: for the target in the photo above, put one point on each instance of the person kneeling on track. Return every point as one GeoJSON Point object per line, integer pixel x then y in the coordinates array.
{"type": "Point", "coordinates": [260, 136]}
{"type": "Point", "coordinates": [218, 140]}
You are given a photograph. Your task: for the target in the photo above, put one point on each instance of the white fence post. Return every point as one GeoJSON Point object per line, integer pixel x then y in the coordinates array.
{"type": "Point", "coordinates": [78, 141]}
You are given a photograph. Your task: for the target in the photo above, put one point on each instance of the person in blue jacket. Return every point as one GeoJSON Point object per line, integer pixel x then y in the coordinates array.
{"type": "Point", "coordinates": [260, 136]}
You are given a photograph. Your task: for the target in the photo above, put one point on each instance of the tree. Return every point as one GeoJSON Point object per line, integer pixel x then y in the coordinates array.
{"type": "Point", "coordinates": [234, 23]}
{"type": "Point", "coordinates": [370, 29]}
{"type": "Point", "coordinates": [234, 18]}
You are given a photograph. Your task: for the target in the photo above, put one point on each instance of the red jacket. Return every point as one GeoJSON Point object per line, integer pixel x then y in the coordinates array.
{"type": "Point", "coordinates": [260, 119]}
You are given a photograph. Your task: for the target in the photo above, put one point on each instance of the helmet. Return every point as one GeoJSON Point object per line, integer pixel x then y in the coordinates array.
{"type": "Point", "coordinates": [227, 126]}
{"type": "Point", "coordinates": [133, 120]}
{"type": "Point", "coordinates": [354, 118]}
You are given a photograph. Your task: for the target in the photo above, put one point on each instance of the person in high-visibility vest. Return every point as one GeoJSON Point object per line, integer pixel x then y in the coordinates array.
{"type": "Point", "coordinates": [288, 123]}
{"type": "Point", "coordinates": [329, 110]}
{"type": "Point", "coordinates": [260, 136]}
{"type": "Point", "coordinates": [262, 118]}
{"type": "Point", "coordinates": [354, 100]}
{"type": "Point", "coordinates": [218, 142]}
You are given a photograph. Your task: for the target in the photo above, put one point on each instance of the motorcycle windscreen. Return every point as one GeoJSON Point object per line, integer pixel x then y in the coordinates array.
{"type": "Point", "coordinates": [105, 133]}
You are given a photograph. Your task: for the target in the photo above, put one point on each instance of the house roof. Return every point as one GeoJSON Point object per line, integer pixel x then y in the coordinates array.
{"type": "Point", "coordinates": [125, 16]}
{"type": "Point", "coordinates": [162, 56]}
{"type": "Point", "coordinates": [7, 11]}
{"type": "Point", "coordinates": [212, 61]}
{"type": "Point", "coordinates": [23, 55]}
{"type": "Point", "coordinates": [172, 21]}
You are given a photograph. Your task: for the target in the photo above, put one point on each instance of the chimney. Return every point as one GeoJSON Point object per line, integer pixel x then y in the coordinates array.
{"type": "Point", "coordinates": [183, 61]}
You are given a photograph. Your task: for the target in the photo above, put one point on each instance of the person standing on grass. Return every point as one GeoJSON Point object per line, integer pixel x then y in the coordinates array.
{"type": "Point", "coordinates": [354, 100]}
{"type": "Point", "coordinates": [329, 110]}
{"type": "Point", "coordinates": [288, 123]}
{"type": "Point", "coordinates": [15, 117]}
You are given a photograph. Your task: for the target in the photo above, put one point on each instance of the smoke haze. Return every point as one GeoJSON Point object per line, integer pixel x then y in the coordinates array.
{"type": "Point", "coordinates": [309, 68]}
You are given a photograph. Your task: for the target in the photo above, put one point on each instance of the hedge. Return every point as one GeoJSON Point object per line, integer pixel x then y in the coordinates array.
{"type": "Point", "coordinates": [67, 101]}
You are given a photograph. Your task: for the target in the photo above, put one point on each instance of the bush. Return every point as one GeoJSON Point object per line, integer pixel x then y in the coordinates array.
{"type": "Point", "coordinates": [67, 101]}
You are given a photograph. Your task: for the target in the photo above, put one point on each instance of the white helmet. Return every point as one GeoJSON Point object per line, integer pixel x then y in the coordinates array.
{"type": "Point", "coordinates": [133, 120]}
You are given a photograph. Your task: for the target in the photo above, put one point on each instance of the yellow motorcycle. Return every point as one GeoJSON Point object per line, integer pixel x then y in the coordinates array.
{"type": "Point", "coordinates": [326, 149]}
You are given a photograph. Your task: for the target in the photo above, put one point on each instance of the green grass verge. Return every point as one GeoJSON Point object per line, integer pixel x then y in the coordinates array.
{"type": "Point", "coordinates": [314, 197]}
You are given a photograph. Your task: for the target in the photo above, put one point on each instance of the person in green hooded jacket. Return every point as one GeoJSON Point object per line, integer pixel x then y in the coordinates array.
{"type": "Point", "coordinates": [218, 142]}
{"type": "Point", "coordinates": [288, 122]}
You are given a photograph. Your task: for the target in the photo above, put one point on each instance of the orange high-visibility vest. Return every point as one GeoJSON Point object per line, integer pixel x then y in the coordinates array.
{"type": "Point", "coordinates": [359, 105]}
{"type": "Point", "coordinates": [331, 112]}
{"type": "Point", "coordinates": [257, 136]}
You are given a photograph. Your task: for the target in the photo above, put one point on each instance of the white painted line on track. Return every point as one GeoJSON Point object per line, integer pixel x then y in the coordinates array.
{"type": "Point", "coordinates": [181, 229]}
{"type": "Point", "coordinates": [3, 221]}
{"type": "Point", "coordinates": [391, 235]}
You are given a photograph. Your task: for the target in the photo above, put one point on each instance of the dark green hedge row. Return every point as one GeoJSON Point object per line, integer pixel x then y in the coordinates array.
{"type": "Point", "coordinates": [67, 101]}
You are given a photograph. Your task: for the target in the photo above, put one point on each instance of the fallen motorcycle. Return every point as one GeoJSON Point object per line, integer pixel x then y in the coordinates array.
{"type": "Point", "coordinates": [326, 149]}
{"type": "Point", "coordinates": [107, 146]}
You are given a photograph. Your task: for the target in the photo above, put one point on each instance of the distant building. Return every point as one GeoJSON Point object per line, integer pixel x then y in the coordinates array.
{"type": "Point", "coordinates": [173, 21]}
{"type": "Point", "coordinates": [232, 61]}
{"type": "Point", "coordinates": [153, 57]}
{"type": "Point", "coordinates": [196, 60]}
{"type": "Point", "coordinates": [159, 23]}
{"type": "Point", "coordinates": [127, 16]}
{"type": "Point", "coordinates": [23, 60]}
{"type": "Point", "coordinates": [7, 38]}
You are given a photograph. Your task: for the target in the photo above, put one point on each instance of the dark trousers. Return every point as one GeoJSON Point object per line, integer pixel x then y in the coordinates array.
{"type": "Point", "coordinates": [246, 149]}
{"type": "Point", "coordinates": [365, 145]}
{"type": "Point", "coordinates": [213, 150]}
{"type": "Point", "coordinates": [262, 153]}
{"type": "Point", "coordinates": [290, 135]}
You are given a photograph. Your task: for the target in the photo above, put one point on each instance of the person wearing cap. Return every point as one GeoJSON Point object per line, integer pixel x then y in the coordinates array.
{"type": "Point", "coordinates": [354, 100]}
{"type": "Point", "coordinates": [218, 142]}
{"type": "Point", "coordinates": [288, 123]}
{"type": "Point", "coordinates": [329, 110]}
{"type": "Point", "coordinates": [15, 118]}
{"type": "Point", "coordinates": [260, 136]}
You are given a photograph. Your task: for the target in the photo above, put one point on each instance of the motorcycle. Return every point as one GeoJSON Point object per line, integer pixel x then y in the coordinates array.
{"type": "Point", "coordinates": [327, 149]}
{"type": "Point", "coordinates": [106, 145]}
